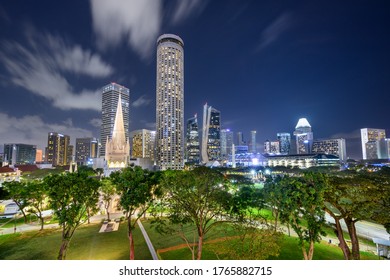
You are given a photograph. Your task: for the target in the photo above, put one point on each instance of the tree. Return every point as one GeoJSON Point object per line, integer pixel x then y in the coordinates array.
{"type": "Point", "coordinates": [70, 195]}
{"type": "Point", "coordinates": [137, 189]}
{"type": "Point", "coordinates": [274, 196]}
{"type": "Point", "coordinates": [107, 191]}
{"type": "Point", "coordinates": [302, 201]}
{"type": "Point", "coordinates": [37, 194]}
{"type": "Point", "coordinates": [18, 193]}
{"type": "Point", "coordinates": [197, 197]}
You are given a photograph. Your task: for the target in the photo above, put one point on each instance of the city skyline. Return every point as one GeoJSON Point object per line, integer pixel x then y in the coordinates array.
{"type": "Point", "coordinates": [264, 65]}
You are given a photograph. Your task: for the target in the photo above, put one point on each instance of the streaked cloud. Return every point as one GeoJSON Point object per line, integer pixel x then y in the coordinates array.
{"type": "Point", "coordinates": [141, 101]}
{"type": "Point", "coordinates": [96, 122]}
{"type": "Point", "coordinates": [135, 21]}
{"type": "Point", "coordinates": [185, 8]}
{"type": "Point", "coordinates": [33, 130]}
{"type": "Point", "coordinates": [41, 66]}
{"type": "Point", "coordinates": [274, 30]}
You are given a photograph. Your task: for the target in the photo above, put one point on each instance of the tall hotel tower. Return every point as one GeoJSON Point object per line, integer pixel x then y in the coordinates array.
{"type": "Point", "coordinates": [170, 102]}
{"type": "Point", "coordinates": [304, 136]}
{"type": "Point", "coordinates": [110, 96]}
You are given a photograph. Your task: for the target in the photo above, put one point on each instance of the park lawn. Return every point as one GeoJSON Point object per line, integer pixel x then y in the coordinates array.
{"type": "Point", "coordinates": [289, 251]}
{"type": "Point", "coordinates": [87, 244]}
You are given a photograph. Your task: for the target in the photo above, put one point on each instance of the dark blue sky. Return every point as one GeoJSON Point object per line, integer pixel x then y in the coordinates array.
{"type": "Point", "coordinates": [263, 64]}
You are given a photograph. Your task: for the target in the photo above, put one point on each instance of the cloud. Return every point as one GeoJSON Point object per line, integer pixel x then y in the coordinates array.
{"type": "Point", "coordinates": [136, 21]}
{"type": "Point", "coordinates": [33, 130]}
{"type": "Point", "coordinates": [41, 65]}
{"type": "Point", "coordinates": [141, 101]}
{"type": "Point", "coordinates": [273, 31]}
{"type": "Point", "coordinates": [96, 122]}
{"type": "Point", "coordinates": [185, 8]}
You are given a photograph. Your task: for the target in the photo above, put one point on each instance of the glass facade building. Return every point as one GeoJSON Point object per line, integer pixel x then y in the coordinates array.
{"type": "Point", "coordinates": [369, 135]}
{"type": "Point", "coordinates": [226, 143]}
{"type": "Point", "coordinates": [284, 139]}
{"type": "Point", "coordinates": [192, 141]}
{"type": "Point", "coordinates": [20, 153]}
{"type": "Point", "coordinates": [335, 147]}
{"type": "Point", "coordinates": [304, 136]}
{"type": "Point", "coordinates": [86, 148]}
{"type": "Point", "coordinates": [59, 152]}
{"type": "Point", "coordinates": [143, 143]}
{"type": "Point", "coordinates": [211, 134]}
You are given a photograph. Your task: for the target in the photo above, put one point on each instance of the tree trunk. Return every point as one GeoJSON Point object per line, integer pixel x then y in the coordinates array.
{"type": "Point", "coordinates": [200, 247]}
{"type": "Point", "coordinates": [343, 245]}
{"type": "Point", "coordinates": [276, 213]}
{"type": "Point", "coordinates": [64, 247]}
{"type": "Point", "coordinates": [311, 250]}
{"type": "Point", "coordinates": [354, 239]}
{"type": "Point", "coordinates": [131, 238]}
{"type": "Point", "coordinates": [42, 221]}
{"type": "Point", "coordinates": [304, 252]}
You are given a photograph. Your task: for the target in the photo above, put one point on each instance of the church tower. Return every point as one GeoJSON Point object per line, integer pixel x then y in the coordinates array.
{"type": "Point", "coordinates": [117, 152]}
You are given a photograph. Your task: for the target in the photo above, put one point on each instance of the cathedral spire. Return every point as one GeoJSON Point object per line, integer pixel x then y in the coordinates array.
{"type": "Point", "coordinates": [118, 134]}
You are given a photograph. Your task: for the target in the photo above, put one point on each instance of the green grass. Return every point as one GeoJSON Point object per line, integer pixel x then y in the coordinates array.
{"type": "Point", "coordinates": [87, 244]}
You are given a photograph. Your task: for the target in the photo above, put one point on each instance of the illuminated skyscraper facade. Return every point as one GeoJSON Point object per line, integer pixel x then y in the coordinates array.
{"type": "Point", "coordinates": [253, 141]}
{"type": "Point", "coordinates": [86, 148]}
{"type": "Point", "coordinates": [110, 96]}
{"type": "Point", "coordinates": [170, 102]}
{"type": "Point", "coordinates": [226, 143]}
{"type": "Point", "coordinates": [284, 139]}
{"type": "Point", "coordinates": [20, 153]}
{"type": "Point", "coordinates": [304, 136]}
{"type": "Point", "coordinates": [59, 152]}
{"type": "Point", "coordinates": [369, 137]}
{"type": "Point", "coordinates": [335, 147]}
{"type": "Point", "coordinates": [192, 141]}
{"type": "Point", "coordinates": [143, 143]}
{"type": "Point", "coordinates": [211, 137]}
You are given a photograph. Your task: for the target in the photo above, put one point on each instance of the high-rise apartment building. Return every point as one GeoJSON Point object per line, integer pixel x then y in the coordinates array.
{"type": "Point", "coordinates": [272, 147]}
{"type": "Point", "coordinates": [253, 141]}
{"type": "Point", "coordinates": [368, 136]}
{"type": "Point", "coordinates": [226, 143]}
{"type": "Point", "coordinates": [110, 96]}
{"type": "Point", "coordinates": [86, 148]}
{"type": "Point", "coordinates": [20, 153]}
{"type": "Point", "coordinates": [335, 147]}
{"type": "Point", "coordinates": [284, 139]}
{"type": "Point", "coordinates": [304, 136]}
{"type": "Point", "coordinates": [143, 143]}
{"type": "Point", "coordinates": [240, 139]}
{"type": "Point", "coordinates": [59, 152]}
{"type": "Point", "coordinates": [211, 134]}
{"type": "Point", "coordinates": [192, 141]}
{"type": "Point", "coordinates": [170, 102]}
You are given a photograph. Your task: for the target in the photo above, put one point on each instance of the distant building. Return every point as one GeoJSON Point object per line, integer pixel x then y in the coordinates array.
{"type": "Point", "coordinates": [9, 174]}
{"type": "Point", "coordinates": [211, 137]}
{"type": "Point", "coordinates": [240, 139]}
{"type": "Point", "coordinates": [253, 141]}
{"type": "Point", "coordinates": [384, 148]}
{"type": "Point", "coordinates": [284, 139]}
{"type": "Point", "coordinates": [370, 150]}
{"type": "Point", "coordinates": [170, 102]}
{"type": "Point", "coordinates": [303, 160]}
{"type": "Point", "coordinates": [20, 153]}
{"type": "Point", "coordinates": [272, 147]}
{"type": "Point", "coordinates": [304, 136]}
{"type": "Point", "coordinates": [192, 141]}
{"type": "Point", "coordinates": [110, 96]}
{"type": "Point", "coordinates": [335, 147]}
{"type": "Point", "coordinates": [39, 156]}
{"type": "Point", "coordinates": [86, 149]}
{"type": "Point", "coordinates": [59, 151]}
{"type": "Point", "coordinates": [226, 143]}
{"type": "Point", "coordinates": [143, 144]}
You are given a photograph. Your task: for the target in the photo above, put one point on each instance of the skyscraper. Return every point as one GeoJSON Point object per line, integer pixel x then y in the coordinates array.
{"type": "Point", "coordinates": [86, 148]}
{"type": "Point", "coordinates": [211, 138]}
{"type": "Point", "coordinates": [110, 96]}
{"type": "Point", "coordinates": [170, 102]}
{"type": "Point", "coordinates": [59, 151]}
{"type": "Point", "coordinates": [240, 139]}
{"type": "Point", "coordinates": [192, 141]}
{"type": "Point", "coordinates": [304, 136]}
{"type": "Point", "coordinates": [335, 147]}
{"type": "Point", "coordinates": [253, 141]}
{"type": "Point", "coordinates": [143, 143]}
{"type": "Point", "coordinates": [284, 139]}
{"type": "Point", "coordinates": [20, 153]}
{"type": "Point", "coordinates": [226, 143]}
{"type": "Point", "coordinates": [369, 137]}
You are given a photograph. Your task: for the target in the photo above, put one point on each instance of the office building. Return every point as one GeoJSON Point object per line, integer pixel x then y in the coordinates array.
{"type": "Point", "coordinates": [272, 147]}
{"type": "Point", "coordinates": [253, 141]}
{"type": "Point", "coordinates": [170, 102]}
{"type": "Point", "coordinates": [226, 143]}
{"type": "Point", "coordinates": [143, 144]}
{"type": "Point", "coordinates": [20, 153]}
{"type": "Point", "coordinates": [59, 152]}
{"type": "Point", "coordinates": [368, 136]}
{"type": "Point", "coordinates": [335, 147]}
{"type": "Point", "coordinates": [304, 136]}
{"type": "Point", "coordinates": [211, 134]}
{"type": "Point", "coordinates": [384, 148]}
{"type": "Point", "coordinates": [110, 96]}
{"type": "Point", "coordinates": [192, 141]}
{"type": "Point", "coordinates": [240, 139]}
{"type": "Point", "coordinates": [39, 156]}
{"type": "Point", "coordinates": [284, 139]}
{"type": "Point", "coordinates": [86, 149]}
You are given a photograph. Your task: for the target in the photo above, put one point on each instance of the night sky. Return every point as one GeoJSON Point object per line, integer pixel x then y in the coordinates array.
{"type": "Point", "coordinates": [263, 64]}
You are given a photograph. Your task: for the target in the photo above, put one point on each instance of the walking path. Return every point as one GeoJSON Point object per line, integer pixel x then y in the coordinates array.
{"type": "Point", "coordinates": [148, 242]}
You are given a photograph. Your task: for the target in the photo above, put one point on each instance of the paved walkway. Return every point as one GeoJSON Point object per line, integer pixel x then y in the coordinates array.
{"type": "Point", "coordinates": [148, 242]}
